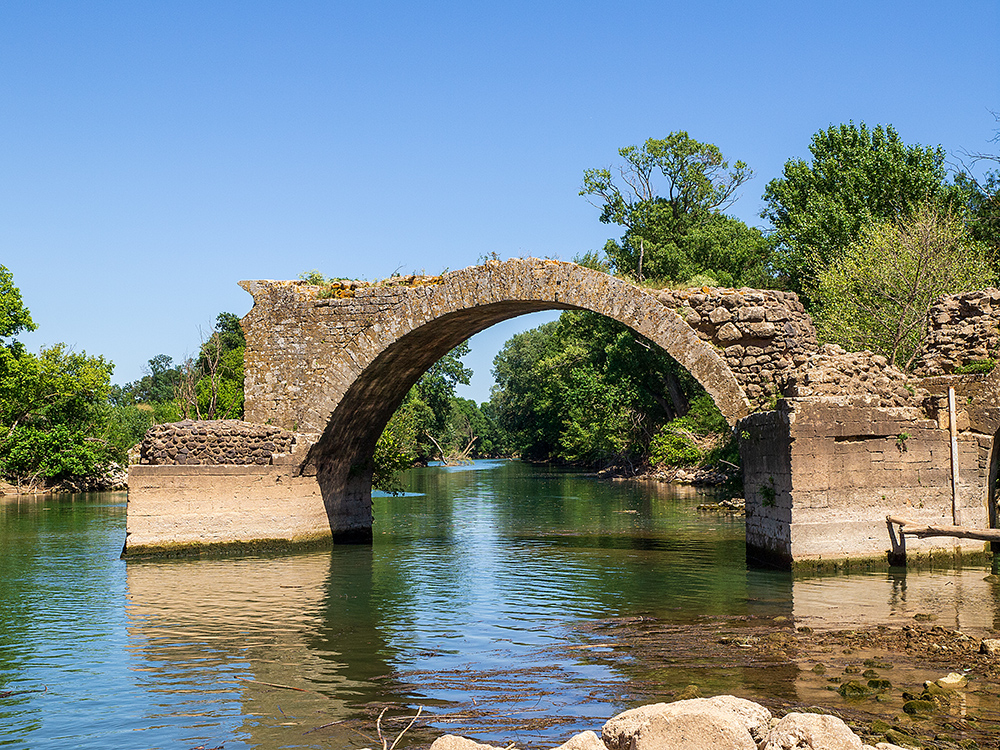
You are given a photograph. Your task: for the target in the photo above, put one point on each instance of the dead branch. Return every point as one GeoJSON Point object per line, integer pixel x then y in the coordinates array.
{"type": "Point", "coordinates": [922, 531]}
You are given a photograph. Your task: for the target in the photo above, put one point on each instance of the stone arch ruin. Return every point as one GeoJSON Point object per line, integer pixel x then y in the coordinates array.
{"type": "Point", "coordinates": [330, 364]}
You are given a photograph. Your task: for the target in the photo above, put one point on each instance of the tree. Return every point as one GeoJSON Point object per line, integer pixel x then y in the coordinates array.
{"type": "Point", "coordinates": [14, 316]}
{"type": "Point", "coordinates": [878, 294]}
{"type": "Point", "coordinates": [588, 390]}
{"type": "Point", "coordinates": [662, 194]}
{"type": "Point", "coordinates": [50, 413]}
{"type": "Point", "coordinates": [980, 196]}
{"type": "Point", "coordinates": [856, 176]}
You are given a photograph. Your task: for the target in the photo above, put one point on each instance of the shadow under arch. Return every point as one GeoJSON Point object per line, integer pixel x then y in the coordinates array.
{"type": "Point", "coordinates": [388, 359]}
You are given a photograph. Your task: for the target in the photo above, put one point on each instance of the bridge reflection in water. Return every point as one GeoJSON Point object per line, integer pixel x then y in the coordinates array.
{"type": "Point", "coordinates": [264, 649]}
{"type": "Point", "coordinates": [504, 624]}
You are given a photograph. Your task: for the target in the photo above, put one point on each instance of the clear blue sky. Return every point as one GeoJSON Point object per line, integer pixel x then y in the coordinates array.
{"type": "Point", "coordinates": [154, 154]}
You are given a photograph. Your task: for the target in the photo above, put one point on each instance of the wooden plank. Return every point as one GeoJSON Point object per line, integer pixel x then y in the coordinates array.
{"type": "Point", "coordinates": [922, 531]}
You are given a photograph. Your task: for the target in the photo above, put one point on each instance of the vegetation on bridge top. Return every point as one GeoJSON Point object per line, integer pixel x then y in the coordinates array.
{"type": "Point", "coordinates": [342, 288]}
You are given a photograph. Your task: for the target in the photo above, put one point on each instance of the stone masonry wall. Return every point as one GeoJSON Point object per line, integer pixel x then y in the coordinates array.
{"type": "Point", "coordinates": [225, 441]}
{"type": "Point", "coordinates": [822, 473]}
{"type": "Point", "coordinates": [861, 378]}
{"type": "Point", "coordinates": [963, 328]}
{"type": "Point", "coordinates": [308, 344]}
{"type": "Point", "coordinates": [762, 334]}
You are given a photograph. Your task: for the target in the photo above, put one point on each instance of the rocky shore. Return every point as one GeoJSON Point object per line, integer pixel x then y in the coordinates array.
{"type": "Point", "coordinates": [723, 722]}
{"type": "Point", "coordinates": [113, 480]}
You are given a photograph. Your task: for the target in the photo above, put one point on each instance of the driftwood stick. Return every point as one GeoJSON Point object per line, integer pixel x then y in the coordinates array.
{"type": "Point", "coordinates": [922, 531]}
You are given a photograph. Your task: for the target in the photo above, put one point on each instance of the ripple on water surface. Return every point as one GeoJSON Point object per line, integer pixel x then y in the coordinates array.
{"type": "Point", "coordinates": [512, 602]}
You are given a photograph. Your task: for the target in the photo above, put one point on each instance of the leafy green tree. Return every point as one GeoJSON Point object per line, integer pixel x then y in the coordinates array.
{"type": "Point", "coordinates": [586, 389]}
{"type": "Point", "coordinates": [879, 293]}
{"type": "Point", "coordinates": [156, 386]}
{"type": "Point", "coordinates": [668, 195]}
{"type": "Point", "coordinates": [49, 413]}
{"type": "Point", "coordinates": [14, 316]}
{"type": "Point", "coordinates": [423, 422]}
{"type": "Point", "coordinates": [856, 176]}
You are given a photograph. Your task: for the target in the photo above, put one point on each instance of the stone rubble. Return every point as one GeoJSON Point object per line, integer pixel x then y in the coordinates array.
{"type": "Point", "coordinates": [963, 329]}
{"type": "Point", "coordinates": [223, 441]}
{"type": "Point", "coordinates": [723, 722]}
{"type": "Point", "coordinates": [864, 378]}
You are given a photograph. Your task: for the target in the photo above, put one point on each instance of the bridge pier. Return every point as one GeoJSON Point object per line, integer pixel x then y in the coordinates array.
{"type": "Point", "coordinates": [187, 509]}
{"type": "Point", "coordinates": [821, 474]}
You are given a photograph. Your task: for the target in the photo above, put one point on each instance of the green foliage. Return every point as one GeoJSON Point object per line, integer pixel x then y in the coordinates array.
{"type": "Point", "coordinates": [14, 316]}
{"type": "Point", "coordinates": [668, 196]}
{"type": "Point", "coordinates": [671, 447]}
{"type": "Point", "coordinates": [121, 427]}
{"type": "Point", "coordinates": [877, 295]}
{"type": "Point", "coordinates": [52, 452]}
{"type": "Point", "coordinates": [856, 177]}
{"type": "Point", "coordinates": [978, 367]}
{"type": "Point", "coordinates": [50, 413]}
{"type": "Point", "coordinates": [682, 442]}
{"type": "Point", "coordinates": [586, 389]}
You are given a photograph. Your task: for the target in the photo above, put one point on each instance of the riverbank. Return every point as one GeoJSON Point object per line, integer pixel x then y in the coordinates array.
{"type": "Point", "coordinates": [919, 684]}
{"type": "Point", "coordinates": [113, 480]}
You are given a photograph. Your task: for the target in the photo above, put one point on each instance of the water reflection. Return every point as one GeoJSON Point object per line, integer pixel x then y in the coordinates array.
{"type": "Point", "coordinates": [965, 599]}
{"type": "Point", "coordinates": [293, 642]}
{"type": "Point", "coordinates": [512, 602]}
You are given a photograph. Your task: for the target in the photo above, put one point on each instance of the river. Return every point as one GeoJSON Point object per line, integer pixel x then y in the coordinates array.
{"type": "Point", "coordinates": [506, 602]}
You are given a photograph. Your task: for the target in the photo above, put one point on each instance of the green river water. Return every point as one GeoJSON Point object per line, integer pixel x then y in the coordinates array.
{"type": "Point", "coordinates": [506, 602]}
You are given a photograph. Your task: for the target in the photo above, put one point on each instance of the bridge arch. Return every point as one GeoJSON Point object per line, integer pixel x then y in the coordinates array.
{"type": "Point", "coordinates": [336, 369]}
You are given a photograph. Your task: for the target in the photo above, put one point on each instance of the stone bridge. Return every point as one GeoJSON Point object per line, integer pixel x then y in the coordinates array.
{"type": "Point", "coordinates": [331, 363]}
{"type": "Point", "coordinates": [850, 440]}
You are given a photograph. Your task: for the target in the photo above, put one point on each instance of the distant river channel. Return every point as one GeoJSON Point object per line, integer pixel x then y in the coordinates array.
{"type": "Point", "coordinates": [500, 600]}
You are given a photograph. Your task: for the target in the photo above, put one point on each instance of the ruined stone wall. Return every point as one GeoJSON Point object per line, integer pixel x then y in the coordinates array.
{"type": "Point", "coordinates": [222, 442]}
{"type": "Point", "coordinates": [762, 334]}
{"type": "Point", "coordinates": [307, 344]}
{"type": "Point", "coordinates": [963, 329]}
{"type": "Point", "coordinates": [861, 378]}
{"type": "Point", "coordinates": [822, 473]}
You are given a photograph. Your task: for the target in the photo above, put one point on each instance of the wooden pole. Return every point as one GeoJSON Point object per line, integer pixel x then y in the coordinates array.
{"type": "Point", "coordinates": [920, 531]}
{"type": "Point", "coordinates": [956, 510]}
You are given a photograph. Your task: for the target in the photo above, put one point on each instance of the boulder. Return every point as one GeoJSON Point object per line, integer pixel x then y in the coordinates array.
{"type": "Point", "coordinates": [720, 723]}
{"type": "Point", "coordinates": [990, 647]}
{"type": "Point", "coordinates": [953, 681]}
{"type": "Point", "coordinates": [454, 742]}
{"type": "Point", "coordinates": [583, 741]}
{"type": "Point", "coordinates": [798, 731]}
